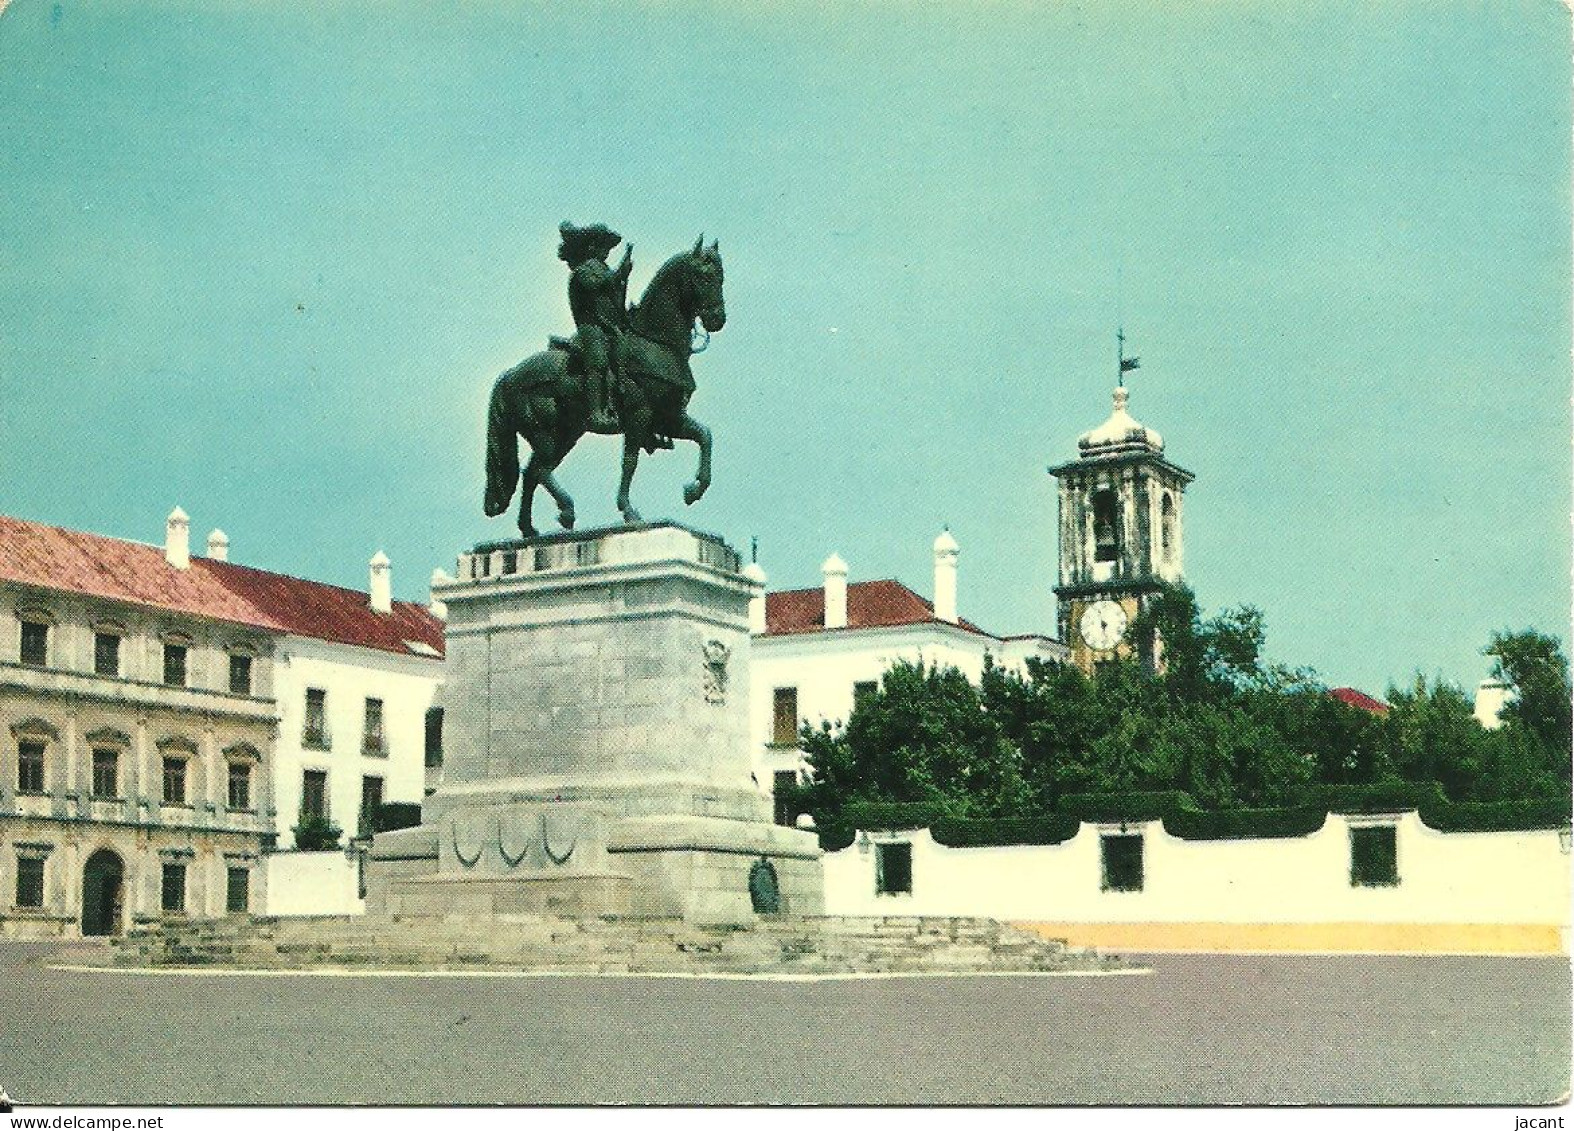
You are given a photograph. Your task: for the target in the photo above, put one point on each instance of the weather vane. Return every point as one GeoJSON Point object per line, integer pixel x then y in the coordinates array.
{"type": "Point", "coordinates": [1127, 364]}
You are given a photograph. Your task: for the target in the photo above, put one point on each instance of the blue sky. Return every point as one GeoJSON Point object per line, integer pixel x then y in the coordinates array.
{"type": "Point", "coordinates": [265, 260]}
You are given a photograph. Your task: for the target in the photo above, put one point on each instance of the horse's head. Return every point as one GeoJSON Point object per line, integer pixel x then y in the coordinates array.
{"type": "Point", "coordinates": [685, 287]}
{"type": "Point", "coordinates": [704, 280]}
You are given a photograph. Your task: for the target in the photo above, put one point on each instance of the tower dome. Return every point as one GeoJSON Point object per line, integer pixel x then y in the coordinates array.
{"type": "Point", "coordinates": [1120, 433]}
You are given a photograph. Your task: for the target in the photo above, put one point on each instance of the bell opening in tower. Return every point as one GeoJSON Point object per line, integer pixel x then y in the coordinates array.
{"type": "Point", "coordinates": [1106, 536]}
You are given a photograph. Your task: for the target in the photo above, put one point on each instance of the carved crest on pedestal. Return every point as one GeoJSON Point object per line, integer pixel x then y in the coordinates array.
{"type": "Point", "coordinates": [716, 656]}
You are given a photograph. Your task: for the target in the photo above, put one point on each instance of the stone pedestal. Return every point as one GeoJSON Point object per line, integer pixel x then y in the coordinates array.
{"type": "Point", "coordinates": [596, 740]}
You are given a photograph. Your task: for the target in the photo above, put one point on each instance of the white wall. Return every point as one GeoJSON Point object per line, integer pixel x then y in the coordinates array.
{"type": "Point", "coordinates": [350, 675]}
{"type": "Point", "coordinates": [313, 883]}
{"type": "Point", "coordinates": [1502, 877]}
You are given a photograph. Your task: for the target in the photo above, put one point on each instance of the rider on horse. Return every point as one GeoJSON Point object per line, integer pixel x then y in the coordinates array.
{"type": "Point", "coordinates": [597, 295]}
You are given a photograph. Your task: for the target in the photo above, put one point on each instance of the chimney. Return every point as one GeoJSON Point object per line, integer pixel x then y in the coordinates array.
{"type": "Point", "coordinates": [177, 539]}
{"type": "Point", "coordinates": [835, 571]}
{"type": "Point", "coordinates": [754, 573]}
{"type": "Point", "coordinates": [439, 608]}
{"type": "Point", "coordinates": [946, 551]}
{"type": "Point", "coordinates": [219, 546]}
{"type": "Point", "coordinates": [381, 598]}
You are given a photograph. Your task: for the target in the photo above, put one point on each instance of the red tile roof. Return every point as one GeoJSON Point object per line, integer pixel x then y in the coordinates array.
{"type": "Point", "coordinates": [51, 557]}
{"type": "Point", "coordinates": [1359, 699]}
{"type": "Point", "coordinates": [870, 604]}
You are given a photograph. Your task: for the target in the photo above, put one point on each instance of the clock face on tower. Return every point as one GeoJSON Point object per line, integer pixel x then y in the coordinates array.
{"type": "Point", "coordinates": [1103, 625]}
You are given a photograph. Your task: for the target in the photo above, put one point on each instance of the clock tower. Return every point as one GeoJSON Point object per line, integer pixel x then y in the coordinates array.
{"type": "Point", "coordinates": [1121, 525]}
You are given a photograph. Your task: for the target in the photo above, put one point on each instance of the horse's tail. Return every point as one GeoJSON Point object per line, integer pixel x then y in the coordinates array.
{"type": "Point", "coordinates": [502, 451]}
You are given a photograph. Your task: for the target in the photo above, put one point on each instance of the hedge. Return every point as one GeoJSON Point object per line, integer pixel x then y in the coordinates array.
{"type": "Point", "coordinates": [1245, 824]}
{"type": "Point", "coordinates": [1496, 816]}
{"type": "Point", "coordinates": [835, 836]}
{"type": "Point", "coordinates": [1051, 828]}
{"type": "Point", "coordinates": [1385, 797]}
{"type": "Point", "coordinates": [883, 815]}
{"type": "Point", "coordinates": [391, 815]}
{"type": "Point", "coordinates": [1126, 807]}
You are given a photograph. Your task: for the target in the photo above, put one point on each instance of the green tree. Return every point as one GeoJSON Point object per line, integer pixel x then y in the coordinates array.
{"type": "Point", "coordinates": [923, 736]}
{"type": "Point", "coordinates": [1432, 735]}
{"type": "Point", "coordinates": [1538, 715]}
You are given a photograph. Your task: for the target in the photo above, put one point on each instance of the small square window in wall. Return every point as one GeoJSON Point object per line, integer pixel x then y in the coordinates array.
{"type": "Point", "coordinates": [315, 733]}
{"type": "Point", "coordinates": [1374, 857]}
{"type": "Point", "coordinates": [106, 654]}
{"type": "Point", "coordinates": [35, 644]}
{"type": "Point", "coordinates": [173, 888]}
{"type": "Point", "coordinates": [434, 736]}
{"type": "Point", "coordinates": [784, 784]}
{"type": "Point", "coordinates": [239, 787]}
{"type": "Point", "coordinates": [237, 891]}
{"type": "Point", "coordinates": [372, 741]}
{"type": "Point", "coordinates": [893, 869]}
{"type": "Point", "coordinates": [314, 793]}
{"type": "Point", "coordinates": [29, 767]}
{"type": "Point", "coordinates": [174, 781]}
{"type": "Point", "coordinates": [106, 774]}
{"type": "Point", "coordinates": [784, 717]}
{"type": "Point", "coordinates": [240, 675]}
{"type": "Point", "coordinates": [174, 665]}
{"type": "Point", "coordinates": [30, 881]}
{"type": "Point", "coordinates": [1121, 857]}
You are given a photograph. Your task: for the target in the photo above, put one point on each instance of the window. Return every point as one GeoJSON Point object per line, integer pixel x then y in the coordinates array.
{"type": "Point", "coordinates": [784, 721]}
{"type": "Point", "coordinates": [174, 781]}
{"type": "Point", "coordinates": [29, 767]}
{"type": "Point", "coordinates": [1374, 857]}
{"type": "Point", "coordinates": [173, 888]}
{"type": "Point", "coordinates": [371, 801]}
{"type": "Point", "coordinates": [1106, 527]}
{"type": "Point", "coordinates": [1122, 862]}
{"type": "Point", "coordinates": [372, 735]}
{"type": "Point", "coordinates": [863, 689]}
{"type": "Point", "coordinates": [106, 654]}
{"type": "Point", "coordinates": [35, 643]}
{"type": "Point", "coordinates": [174, 665]}
{"type": "Point", "coordinates": [893, 869]}
{"type": "Point", "coordinates": [240, 675]}
{"type": "Point", "coordinates": [434, 737]}
{"type": "Point", "coordinates": [314, 793]}
{"type": "Point", "coordinates": [237, 890]}
{"type": "Point", "coordinates": [240, 786]}
{"type": "Point", "coordinates": [784, 785]}
{"type": "Point", "coordinates": [30, 881]}
{"type": "Point", "coordinates": [1167, 526]}
{"type": "Point", "coordinates": [106, 774]}
{"type": "Point", "coordinates": [316, 733]}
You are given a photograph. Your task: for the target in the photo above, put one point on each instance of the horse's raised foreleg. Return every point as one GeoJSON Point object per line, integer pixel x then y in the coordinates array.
{"type": "Point", "coordinates": [695, 431]}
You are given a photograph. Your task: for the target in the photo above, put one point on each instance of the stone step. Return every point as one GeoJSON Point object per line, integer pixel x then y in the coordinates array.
{"type": "Point", "coordinates": [831, 945]}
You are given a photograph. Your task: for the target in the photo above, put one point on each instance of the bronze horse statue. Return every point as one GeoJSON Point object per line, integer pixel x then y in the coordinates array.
{"type": "Point", "coordinates": [544, 398]}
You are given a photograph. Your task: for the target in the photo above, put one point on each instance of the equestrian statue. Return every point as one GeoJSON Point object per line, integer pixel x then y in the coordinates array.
{"type": "Point", "coordinates": [625, 372]}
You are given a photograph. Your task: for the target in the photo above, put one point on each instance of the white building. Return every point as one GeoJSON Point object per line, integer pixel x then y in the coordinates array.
{"type": "Point", "coordinates": [181, 653]}
{"type": "Point", "coordinates": [356, 680]}
{"type": "Point", "coordinates": [815, 650]}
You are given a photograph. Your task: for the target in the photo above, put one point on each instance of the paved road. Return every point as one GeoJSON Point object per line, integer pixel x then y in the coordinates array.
{"type": "Point", "coordinates": [1197, 1030]}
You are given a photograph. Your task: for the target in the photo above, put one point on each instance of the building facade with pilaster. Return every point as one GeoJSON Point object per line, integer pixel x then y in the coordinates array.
{"type": "Point", "coordinates": [140, 719]}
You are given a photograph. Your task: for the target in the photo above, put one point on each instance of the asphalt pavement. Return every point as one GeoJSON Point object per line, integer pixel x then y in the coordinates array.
{"type": "Point", "coordinates": [1196, 1030]}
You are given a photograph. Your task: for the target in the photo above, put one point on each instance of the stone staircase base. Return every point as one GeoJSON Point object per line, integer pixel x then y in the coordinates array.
{"type": "Point", "coordinates": [774, 945]}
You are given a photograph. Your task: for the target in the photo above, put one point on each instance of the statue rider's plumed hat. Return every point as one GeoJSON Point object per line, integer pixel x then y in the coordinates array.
{"type": "Point", "coordinates": [579, 243]}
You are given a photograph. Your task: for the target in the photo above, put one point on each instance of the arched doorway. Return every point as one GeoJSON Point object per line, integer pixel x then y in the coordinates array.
{"type": "Point", "coordinates": [102, 893]}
